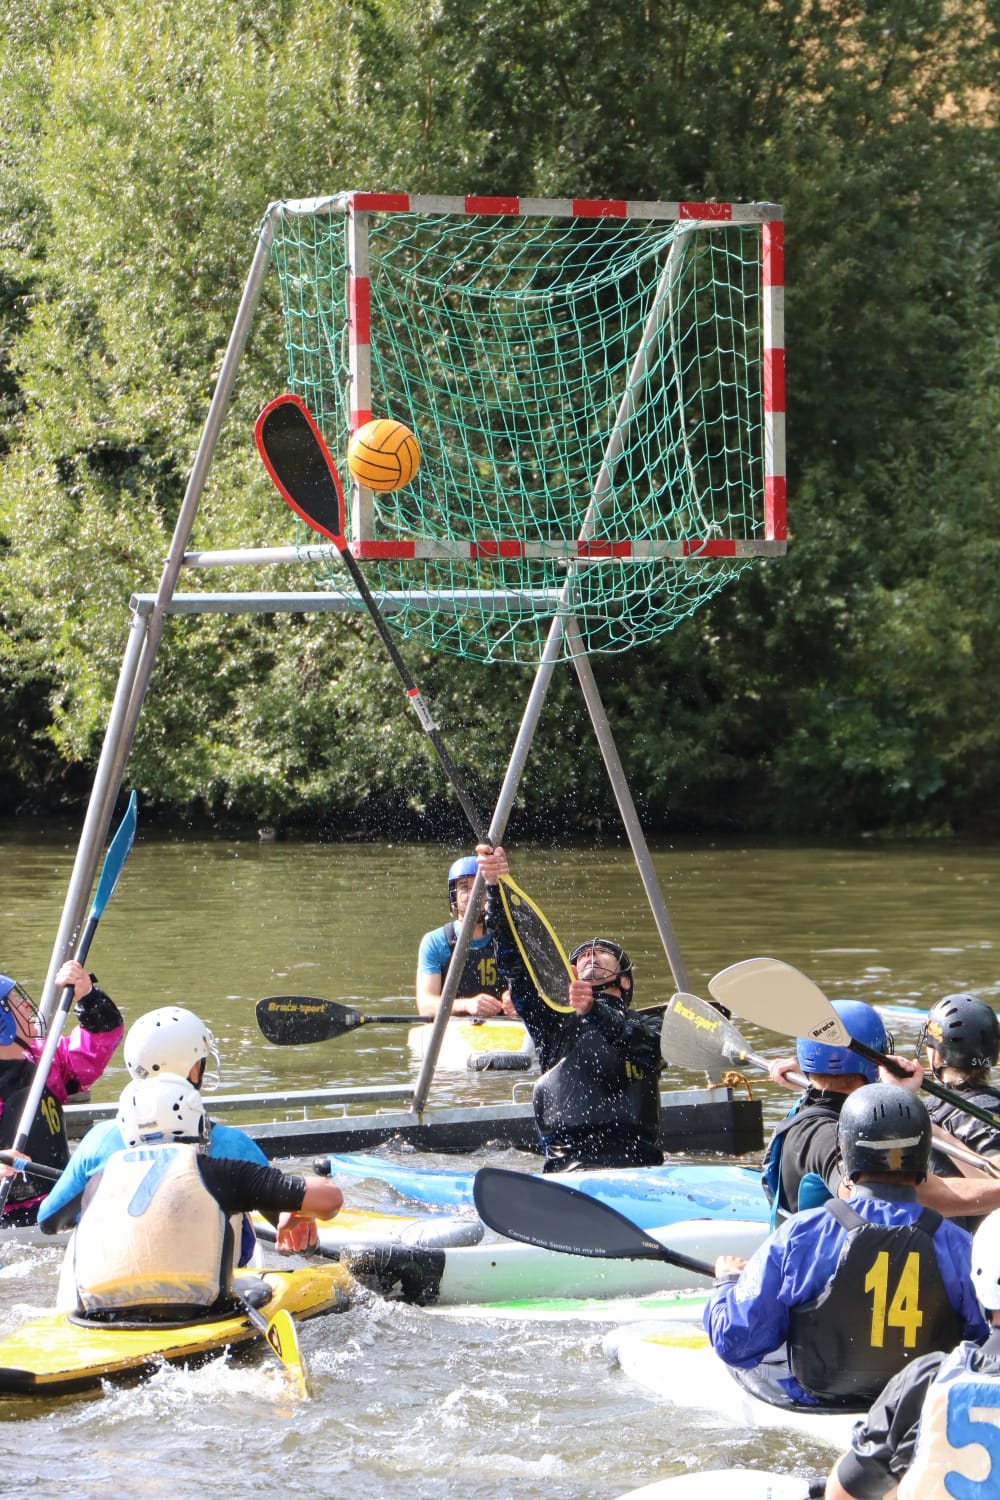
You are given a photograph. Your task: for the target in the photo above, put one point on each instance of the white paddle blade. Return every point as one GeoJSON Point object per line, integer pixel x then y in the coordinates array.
{"type": "Point", "coordinates": [773, 994]}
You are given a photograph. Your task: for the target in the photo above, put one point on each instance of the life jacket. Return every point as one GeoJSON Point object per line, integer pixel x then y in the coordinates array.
{"type": "Point", "coordinates": [152, 1241]}
{"type": "Point", "coordinates": [593, 1092]}
{"type": "Point", "coordinates": [975, 1134]}
{"type": "Point", "coordinates": [480, 974]}
{"type": "Point", "coordinates": [46, 1143]}
{"type": "Point", "coordinates": [885, 1304]}
{"type": "Point", "coordinates": [961, 1407]}
{"type": "Point", "coordinates": [770, 1171]}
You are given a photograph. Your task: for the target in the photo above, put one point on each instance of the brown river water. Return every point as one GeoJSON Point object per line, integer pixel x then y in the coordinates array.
{"type": "Point", "coordinates": [408, 1402]}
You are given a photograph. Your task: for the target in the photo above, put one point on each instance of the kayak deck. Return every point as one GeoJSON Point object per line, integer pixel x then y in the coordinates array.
{"type": "Point", "coordinates": [681, 1366]}
{"type": "Point", "coordinates": [53, 1355]}
{"type": "Point", "coordinates": [499, 1043]}
{"type": "Point", "coordinates": [649, 1196]}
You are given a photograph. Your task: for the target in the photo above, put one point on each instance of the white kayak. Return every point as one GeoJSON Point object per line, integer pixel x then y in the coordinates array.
{"type": "Point", "coordinates": [681, 1366]}
{"type": "Point", "coordinates": [499, 1271]}
{"type": "Point", "coordinates": [724, 1484]}
{"type": "Point", "coordinates": [498, 1044]}
{"type": "Point", "coordinates": [684, 1308]}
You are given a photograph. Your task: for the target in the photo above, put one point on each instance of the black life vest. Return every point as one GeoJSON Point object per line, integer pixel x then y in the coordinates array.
{"type": "Point", "coordinates": [481, 973]}
{"type": "Point", "coordinates": [975, 1134]}
{"type": "Point", "coordinates": [885, 1304]}
{"type": "Point", "coordinates": [777, 1172]}
{"type": "Point", "coordinates": [595, 1095]}
{"type": "Point", "coordinates": [46, 1143]}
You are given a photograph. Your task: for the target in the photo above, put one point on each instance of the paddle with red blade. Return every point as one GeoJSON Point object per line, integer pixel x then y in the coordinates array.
{"type": "Point", "coordinates": [299, 463]}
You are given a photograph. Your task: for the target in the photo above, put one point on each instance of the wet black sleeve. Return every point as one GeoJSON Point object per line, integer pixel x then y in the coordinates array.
{"type": "Point", "coordinates": [882, 1442]}
{"type": "Point", "coordinates": [241, 1186]}
{"type": "Point", "coordinates": [97, 1011]}
{"type": "Point", "coordinates": [637, 1036]}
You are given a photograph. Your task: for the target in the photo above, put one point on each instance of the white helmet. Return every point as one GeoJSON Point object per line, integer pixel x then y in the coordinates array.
{"type": "Point", "coordinates": [164, 1108]}
{"type": "Point", "coordinates": [168, 1040]}
{"type": "Point", "coordinates": [985, 1270]}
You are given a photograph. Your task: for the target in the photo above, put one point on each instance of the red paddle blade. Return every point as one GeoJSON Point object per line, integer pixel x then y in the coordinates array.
{"type": "Point", "coordinates": [297, 459]}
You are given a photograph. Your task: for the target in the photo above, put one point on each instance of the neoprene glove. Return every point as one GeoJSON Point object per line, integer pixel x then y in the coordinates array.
{"type": "Point", "coordinates": [97, 1011]}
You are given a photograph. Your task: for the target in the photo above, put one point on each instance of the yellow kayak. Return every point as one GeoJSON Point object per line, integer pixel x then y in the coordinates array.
{"type": "Point", "coordinates": [500, 1043]}
{"type": "Point", "coordinates": [60, 1352]}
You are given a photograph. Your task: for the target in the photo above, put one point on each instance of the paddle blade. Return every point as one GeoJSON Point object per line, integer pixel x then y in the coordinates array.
{"type": "Point", "coordinates": [283, 1338]}
{"type": "Point", "coordinates": [114, 861]}
{"type": "Point", "coordinates": [543, 954]}
{"type": "Point", "coordinates": [555, 1216]}
{"type": "Point", "coordinates": [294, 1020]}
{"type": "Point", "coordinates": [696, 1035]}
{"type": "Point", "coordinates": [296, 457]}
{"type": "Point", "coordinates": [775, 995]}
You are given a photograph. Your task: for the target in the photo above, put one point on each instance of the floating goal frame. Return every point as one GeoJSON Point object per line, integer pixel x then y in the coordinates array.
{"type": "Point", "coordinates": [149, 613]}
{"type": "Point", "coordinates": [358, 210]}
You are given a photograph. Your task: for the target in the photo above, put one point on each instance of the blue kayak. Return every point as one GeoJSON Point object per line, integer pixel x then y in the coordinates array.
{"type": "Point", "coordinates": [649, 1196]}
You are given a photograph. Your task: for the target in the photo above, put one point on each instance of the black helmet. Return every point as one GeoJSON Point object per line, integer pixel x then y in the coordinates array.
{"type": "Point", "coordinates": [884, 1128]}
{"type": "Point", "coordinates": [964, 1031]}
{"type": "Point", "coordinates": [624, 979]}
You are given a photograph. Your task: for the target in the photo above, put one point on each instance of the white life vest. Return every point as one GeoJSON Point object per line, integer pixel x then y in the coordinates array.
{"type": "Point", "coordinates": [958, 1439]}
{"type": "Point", "coordinates": [152, 1237]}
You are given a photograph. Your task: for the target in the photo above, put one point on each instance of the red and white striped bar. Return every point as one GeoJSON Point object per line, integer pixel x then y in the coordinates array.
{"type": "Point", "coordinates": [503, 550]}
{"type": "Point", "coordinates": [773, 288]}
{"type": "Point", "coordinates": [555, 208]}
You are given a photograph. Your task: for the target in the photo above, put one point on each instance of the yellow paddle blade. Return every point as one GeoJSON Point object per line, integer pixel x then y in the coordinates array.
{"type": "Point", "coordinates": [283, 1338]}
{"type": "Point", "coordinates": [544, 956]}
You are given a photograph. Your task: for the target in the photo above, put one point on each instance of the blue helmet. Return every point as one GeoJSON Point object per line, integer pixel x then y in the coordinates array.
{"type": "Point", "coordinates": [863, 1024]}
{"type": "Point", "coordinates": [462, 868]}
{"type": "Point", "coordinates": [8, 1025]}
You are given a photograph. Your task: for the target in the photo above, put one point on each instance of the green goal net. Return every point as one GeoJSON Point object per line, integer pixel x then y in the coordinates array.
{"type": "Point", "coordinates": [597, 391]}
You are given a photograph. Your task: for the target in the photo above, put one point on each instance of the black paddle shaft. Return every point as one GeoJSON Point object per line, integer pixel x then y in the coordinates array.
{"type": "Point", "coordinates": [929, 1084]}
{"type": "Point", "coordinates": [299, 462]}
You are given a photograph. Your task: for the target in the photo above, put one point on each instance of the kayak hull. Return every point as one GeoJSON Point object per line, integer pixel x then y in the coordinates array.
{"type": "Point", "coordinates": [53, 1355]}
{"type": "Point", "coordinates": [681, 1366]}
{"type": "Point", "coordinates": [503, 1271]}
{"type": "Point", "coordinates": [649, 1196]}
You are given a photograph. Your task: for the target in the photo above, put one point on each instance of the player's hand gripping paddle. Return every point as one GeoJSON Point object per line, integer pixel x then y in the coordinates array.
{"type": "Point", "coordinates": [298, 461]}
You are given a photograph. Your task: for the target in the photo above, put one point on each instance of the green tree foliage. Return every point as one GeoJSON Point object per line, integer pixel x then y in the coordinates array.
{"type": "Point", "coordinates": [852, 684]}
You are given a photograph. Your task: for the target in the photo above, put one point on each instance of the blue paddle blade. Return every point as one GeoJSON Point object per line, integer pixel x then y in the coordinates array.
{"type": "Point", "coordinates": [114, 860]}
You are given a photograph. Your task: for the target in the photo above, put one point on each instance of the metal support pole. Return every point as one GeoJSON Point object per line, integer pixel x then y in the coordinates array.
{"type": "Point", "coordinates": [98, 818]}
{"type": "Point", "coordinates": [626, 806]}
{"type": "Point", "coordinates": [125, 715]}
{"type": "Point", "coordinates": [498, 824]}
